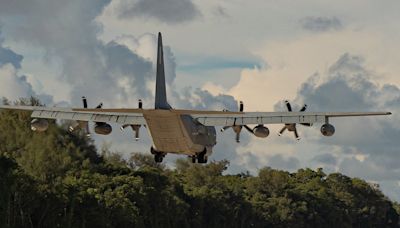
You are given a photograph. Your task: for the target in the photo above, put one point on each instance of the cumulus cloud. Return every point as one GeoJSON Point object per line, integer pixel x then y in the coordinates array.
{"type": "Point", "coordinates": [221, 11]}
{"type": "Point", "coordinates": [117, 72]}
{"type": "Point", "coordinates": [12, 85]}
{"type": "Point", "coordinates": [166, 11]}
{"type": "Point", "coordinates": [280, 162]}
{"type": "Point", "coordinates": [8, 56]}
{"type": "Point", "coordinates": [363, 143]}
{"type": "Point", "coordinates": [108, 72]}
{"type": "Point", "coordinates": [321, 24]}
{"type": "Point", "coordinates": [327, 159]}
{"type": "Point", "coordinates": [369, 146]}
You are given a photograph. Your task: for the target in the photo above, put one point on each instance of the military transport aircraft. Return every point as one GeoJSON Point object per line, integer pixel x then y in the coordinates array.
{"type": "Point", "coordinates": [188, 132]}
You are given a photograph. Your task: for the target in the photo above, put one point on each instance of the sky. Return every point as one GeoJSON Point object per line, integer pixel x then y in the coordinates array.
{"type": "Point", "coordinates": [333, 56]}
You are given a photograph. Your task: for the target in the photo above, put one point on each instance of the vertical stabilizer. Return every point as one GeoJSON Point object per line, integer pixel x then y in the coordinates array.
{"type": "Point", "coordinates": [161, 95]}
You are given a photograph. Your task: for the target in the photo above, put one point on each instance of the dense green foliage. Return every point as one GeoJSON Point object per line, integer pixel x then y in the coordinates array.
{"type": "Point", "coordinates": [58, 179]}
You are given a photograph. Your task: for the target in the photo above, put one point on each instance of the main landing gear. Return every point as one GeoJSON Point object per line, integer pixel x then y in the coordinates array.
{"type": "Point", "coordinates": [158, 156]}
{"type": "Point", "coordinates": [200, 157]}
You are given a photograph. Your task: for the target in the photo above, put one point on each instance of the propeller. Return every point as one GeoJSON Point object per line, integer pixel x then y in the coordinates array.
{"type": "Point", "coordinates": [238, 128]}
{"type": "Point", "coordinates": [83, 124]}
{"type": "Point", "coordinates": [292, 126]}
{"type": "Point", "coordinates": [135, 127]}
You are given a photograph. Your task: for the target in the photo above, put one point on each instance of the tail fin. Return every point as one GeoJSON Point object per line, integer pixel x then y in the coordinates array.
{"type": "Point", "coordinates": [161, 95]}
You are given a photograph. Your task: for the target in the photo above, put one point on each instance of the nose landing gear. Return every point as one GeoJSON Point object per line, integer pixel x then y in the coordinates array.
{"type": "Point", "coordinates": [158, 156]}
{"type": "Point", "coordinates": [200, 157]}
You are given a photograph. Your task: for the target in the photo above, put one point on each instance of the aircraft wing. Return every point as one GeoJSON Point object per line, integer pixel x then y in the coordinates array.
{"type": "Point", "coordinates": [120, 116]}
{"type": "Point", "coordinates": [244, 118]}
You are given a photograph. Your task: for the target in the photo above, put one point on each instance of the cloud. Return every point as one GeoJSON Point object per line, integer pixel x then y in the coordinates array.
{"type": "Point", "coordinates": [327, 159]}
{"type": "Point", "coordinates": [104, 72]}
{"type": "Point", "coordinates": [217, 63]}
{"type": "Point", "coordinates": [279, 162]}
{"type": "Point", "coordinates": [221, 11]}
{"type": "Point", "coordinates": [117, 72]}
{"type": "Point", "coordinates": [197, 98]}
{"type": "Point", "coordinates": [12, 85]}
{"type": "Point", "coordinates": [8, 56]}
{"type": "Point", "coordinates": [166, 11]}
{"type": "Point", "coordinates": [69, 31]}
{"type": "Point", "coordinates": [369, 145]}
{"type": "Point", "coordinates": [349, 85]}
{"type": "Point", "coordinates": [320, 24]}
{"type": "Point", "coordinates": [335, 82]}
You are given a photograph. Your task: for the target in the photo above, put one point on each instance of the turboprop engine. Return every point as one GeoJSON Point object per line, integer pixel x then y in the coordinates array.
{"type": "Point", "coordinates": [39, 125]}
{"type": "Point", "coordinates": [327, 129]}
{"type": "Point", "coordinates": [102, 128]}
{"type": "Point", "coordinates": [261, 131]}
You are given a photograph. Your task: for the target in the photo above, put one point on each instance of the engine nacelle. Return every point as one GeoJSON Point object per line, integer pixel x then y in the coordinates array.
{"type": "Point", "coordinates": [39, 125]}
{"type": "Point", "coordinates": [102, 128]}
{"type": "Point", "coordinates": [327, 129]}
{"type": "Point", "coordinates": [261, 131]}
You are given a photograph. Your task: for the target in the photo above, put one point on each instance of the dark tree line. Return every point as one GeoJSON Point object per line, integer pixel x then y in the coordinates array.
{"type": "Point", "coordinates": [58, 179]}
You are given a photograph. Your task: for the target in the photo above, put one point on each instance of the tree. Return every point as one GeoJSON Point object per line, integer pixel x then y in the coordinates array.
{"type": "Point", "coordinates": [59, 179]}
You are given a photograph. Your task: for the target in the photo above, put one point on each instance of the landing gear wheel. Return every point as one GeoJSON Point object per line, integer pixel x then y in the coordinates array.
{"type": "Point", "coordinates": [202, 157]}
{"type": "Point", "coordinates": [158, 157]}
{"type": "Point", "coordinates": [202, 160]}
{"type": "Point", "coordinates": [193, 158]}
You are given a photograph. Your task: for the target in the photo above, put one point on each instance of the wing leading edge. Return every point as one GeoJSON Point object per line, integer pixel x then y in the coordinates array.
{"type": "Point", "coordinates": [120, 116]}
{"type": "Point", "coordinates": [207, 118]}
{"type": "Point", "coordinates": [231, 119]}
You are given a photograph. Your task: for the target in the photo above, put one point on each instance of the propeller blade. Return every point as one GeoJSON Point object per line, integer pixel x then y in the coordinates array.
{"type": "Point", "coordinates": [73, 126]}
{"type": "Point", "coordinates": [84, 100]}
{"type": "Point", "coordinates": [303, 108]}
{"type": "Point", "coordinates": [238, 137]}
{"type": "Point", "coordinates": [140, 105]}
{"type": "Point", "coordinates": [248, 129]}
{"type": "Point", "coordinates": [241, 106]}
{"type": "Point", "coordinates": [87, 129]}
{"type": "Point", "coordinates": [282, 130]}
{"type": "Point", "coordinates": [306, 124]}
{"type": "Point", "coordinates": [81, 125]}
{"type": "Point", "coordinates": [124, 126]}
{"type": "Point", "coordinates": [137, 135]}
{"type": "Point", "coordinates": [288, 106]}
{"type": "Point", "coordinates": [135, 128]}
{"type": "Point", "coordinates": [224, 128]}
{"type": "Point", "coordinates": [296, 134]}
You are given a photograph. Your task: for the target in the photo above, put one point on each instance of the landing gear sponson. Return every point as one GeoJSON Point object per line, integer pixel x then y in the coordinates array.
{"type": "Point", "coordinates": [200, 157]}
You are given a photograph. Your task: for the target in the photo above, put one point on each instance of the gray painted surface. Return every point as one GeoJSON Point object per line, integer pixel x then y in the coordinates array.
{"type": "Point", "coordinates": [161, 94]}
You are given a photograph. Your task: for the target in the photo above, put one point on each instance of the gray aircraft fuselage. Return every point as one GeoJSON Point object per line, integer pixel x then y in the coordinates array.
{"type": "Point", "coordinates": [170, 131]}
{"type": "Point", "coordinates": [180, 134]}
